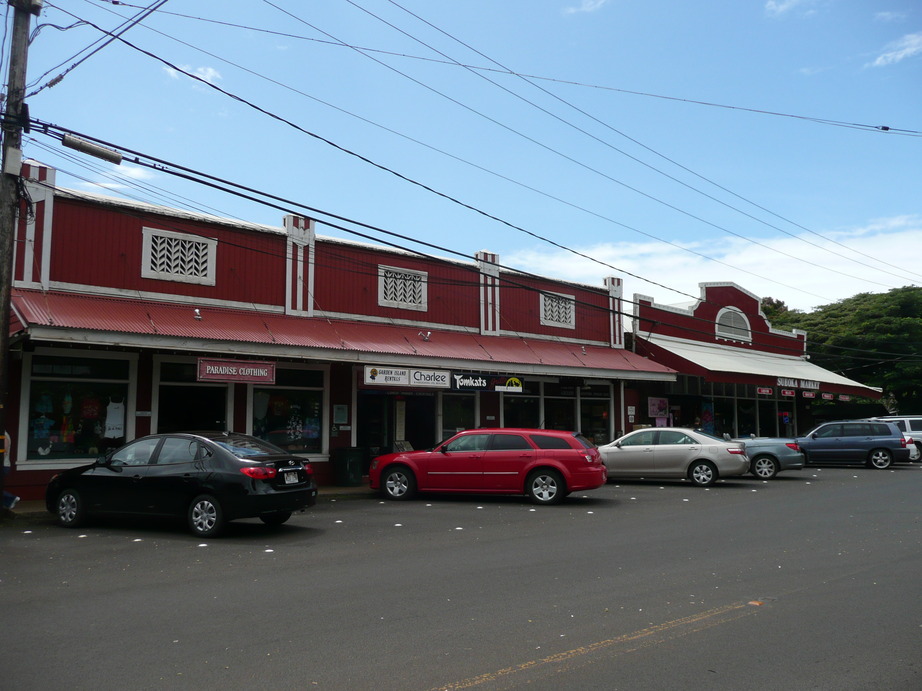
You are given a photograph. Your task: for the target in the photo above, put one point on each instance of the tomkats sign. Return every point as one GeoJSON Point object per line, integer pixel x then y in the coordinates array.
{"type": "Point", "coordinates": [236, 371]}
{"type": "Point", "coordinates": [472, 381]}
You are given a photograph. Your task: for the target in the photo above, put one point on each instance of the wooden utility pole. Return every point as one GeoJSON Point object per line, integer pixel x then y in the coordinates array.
{"type": "Point", "coordinates": [9, 184]}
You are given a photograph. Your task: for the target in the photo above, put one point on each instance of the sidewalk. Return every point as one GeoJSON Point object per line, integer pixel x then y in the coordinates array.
{"type": "Point", "coordinates": [31, 508]}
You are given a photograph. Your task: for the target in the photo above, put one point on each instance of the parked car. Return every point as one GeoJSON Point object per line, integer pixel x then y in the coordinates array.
{"type": "Point", "coordinates": [543, 464]}
{"type": "Point", "coordinates": [875, 443]}
{"type": "Point", "coordinates": [208, 478]}
{"type": "Point", "coordinates": [911, 427]}
{"type": "Point", "coordinates": [674, 452]}
{"type": "Point", "coordinates": [770, 455]}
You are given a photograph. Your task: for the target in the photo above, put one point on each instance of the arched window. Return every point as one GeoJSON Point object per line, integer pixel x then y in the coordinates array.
{"type": "Point", "coordinates": [731, 323]}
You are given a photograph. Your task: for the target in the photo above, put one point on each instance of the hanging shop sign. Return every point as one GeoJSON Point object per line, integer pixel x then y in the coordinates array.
{"type": "Point", "coordinates": [474, 381]}
{"type": "Point", "coordinates": [798, 383]}
{"type": "Point", "coordinates": [809, 394]}
{"type": "Point", "coordinates": [396, 376]}
{"type": "Point", "coordinates": [236, 371]}
{"type": "Point", "coordinates": [788, 392]}
{"type": "Point", "coordinates": [828, 396]}
{"type": "Point", "coordinates": [764, 391]}
{"type": "Point", "coordinates": [845, 397]}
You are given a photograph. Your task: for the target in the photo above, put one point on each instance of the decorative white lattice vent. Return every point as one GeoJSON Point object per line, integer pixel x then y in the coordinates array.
{"type": "Point", "coordinates": [402, 288]}
{"type": "Point", "coordinates": [558, 310]}
{"type": "Point", "coordinates": [172, 256]}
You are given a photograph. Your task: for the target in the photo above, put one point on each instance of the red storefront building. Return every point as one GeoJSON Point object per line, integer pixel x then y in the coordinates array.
{"type": "Point", "coordinates": [738, 375]}
{"type": "Point", "coordinates": [129, 319]}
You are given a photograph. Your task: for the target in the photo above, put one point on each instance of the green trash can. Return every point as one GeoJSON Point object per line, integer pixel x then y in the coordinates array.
{"type": "Point", "coordinates": [348, 466]}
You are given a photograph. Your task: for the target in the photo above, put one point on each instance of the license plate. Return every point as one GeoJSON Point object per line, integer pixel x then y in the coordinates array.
{"type": "Point", "coordinates": [291, 478]}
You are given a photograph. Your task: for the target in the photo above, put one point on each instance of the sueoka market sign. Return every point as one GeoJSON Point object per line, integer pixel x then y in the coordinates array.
{"type": "Point", "coordinates": [798, 383]}
{"type": "Point", "coordinates": [236, 371]}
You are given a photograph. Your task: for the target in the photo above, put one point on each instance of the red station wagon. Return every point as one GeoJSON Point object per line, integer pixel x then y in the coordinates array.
{"type": "Point", "coordinates": [545, 465]}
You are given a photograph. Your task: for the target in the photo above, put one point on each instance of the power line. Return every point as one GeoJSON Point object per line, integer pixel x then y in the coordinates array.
{"type": "Point", "coordinates": [881, 129]}
{"type": "Point", "coordinates": [291, 206]}
{"type": "Point", "coordinates": [470, 207]}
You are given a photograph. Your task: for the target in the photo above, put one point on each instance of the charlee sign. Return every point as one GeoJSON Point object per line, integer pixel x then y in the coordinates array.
{"type": "Point", "coordinates": [236, 371]}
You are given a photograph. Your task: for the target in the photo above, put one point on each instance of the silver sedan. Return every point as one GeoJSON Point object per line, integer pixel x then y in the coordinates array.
{"type": "Point", "coordinates": [676, 452]}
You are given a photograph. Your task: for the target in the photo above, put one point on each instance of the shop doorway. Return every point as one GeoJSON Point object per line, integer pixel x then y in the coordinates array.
{"type": "Point", "coordinates": [189, 408]}
{"type": "Point", "coordinates": [387, 417]}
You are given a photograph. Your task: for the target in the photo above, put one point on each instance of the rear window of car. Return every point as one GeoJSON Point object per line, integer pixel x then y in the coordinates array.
{"type": "Point", "coordinates": [546, 441]}
{"type": "Point", "coordinates": [585, 441]}
{"type": "Point", "coordinates": [247, 447]}
{"type": "Point", "coordinates": [674, 437]}
{"type": "Point", "coordinates": [507, 442]}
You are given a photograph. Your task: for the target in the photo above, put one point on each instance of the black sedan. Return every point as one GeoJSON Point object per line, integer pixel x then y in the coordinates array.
{"type": "Point", "coordinates": [208, 478]}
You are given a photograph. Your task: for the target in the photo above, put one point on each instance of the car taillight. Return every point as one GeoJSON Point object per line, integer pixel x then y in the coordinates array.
{"type": "Point", "coordinates": [259, 472]}
{"type": "Point", "coordinates": [903, 442]}
{"type": "Point", "coordinates": [792, 445]}
{"type": "Point", "coordinates": [308, 470]}
{"type": "Point", "coordinates": [734, 450]}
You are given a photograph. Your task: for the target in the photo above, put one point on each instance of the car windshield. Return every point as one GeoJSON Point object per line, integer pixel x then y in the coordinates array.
{"type": "Point", "coordinates": [244, 446]}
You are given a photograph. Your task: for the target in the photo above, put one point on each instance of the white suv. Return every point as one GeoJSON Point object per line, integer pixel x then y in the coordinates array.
{"type": "Point", "coordinates": [911, 427]}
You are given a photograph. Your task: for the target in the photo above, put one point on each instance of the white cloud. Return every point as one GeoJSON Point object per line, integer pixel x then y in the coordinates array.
{"type": "Point", "coordinates": [776, 8]}
{"type": "Point", "coordinates": [136, 173]}
{"type": "Point", "coordinates": [207, 74]}
{"type": "Point", "coordinates": [908, 46]}
{"type": "Point", "coordinates": [827, 273]}
{"type": "Point", "coordinates": [890, 16]}
{"type": "Point", "coordinates": [586, 6]}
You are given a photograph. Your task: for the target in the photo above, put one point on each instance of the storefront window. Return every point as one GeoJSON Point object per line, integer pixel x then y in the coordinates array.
{"type": "Point", "coordinates": [521, 411]}
{"type": "Point", "coordinates": [768, 418]}
{"type": "Point", "coordinates": [560, 413]}
{"type": "Point", "coordinates": [458, 413]}
{"type": "Point", "coordinates": [594, 421]}
{"type": "Point", "coordinates": [77, 407]}
{"type": "Point", "coordinates": [290, 414]}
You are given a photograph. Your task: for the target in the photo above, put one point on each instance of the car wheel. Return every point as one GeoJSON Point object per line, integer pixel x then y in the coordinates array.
{"type": "Point", "coordinates": [880, 459]}
{"type": "Point", "coordinates": [702, 473]}
{"type": "Point", "coordinates": [206, 518]}
{"type": "Point", "coordinates": [545, 487]}
{"type": "Point", "coordinates": [276, 518]}
{"type": "Point", "coordinates": [398, 483]}
{"type": "Point", "coordinates": [764, 467]}
{"type": "Point", "coordinates": [71, 513]}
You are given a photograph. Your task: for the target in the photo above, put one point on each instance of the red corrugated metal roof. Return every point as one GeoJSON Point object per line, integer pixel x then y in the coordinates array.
{"type": "Point", "coordinates": [66, 311]}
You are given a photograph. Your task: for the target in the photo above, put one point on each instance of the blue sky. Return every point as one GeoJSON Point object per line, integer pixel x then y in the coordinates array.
{"type": "Point", "coordinates": [666, 142]}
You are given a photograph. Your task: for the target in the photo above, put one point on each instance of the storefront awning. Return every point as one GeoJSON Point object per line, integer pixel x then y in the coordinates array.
{"type": "Point", "coordinates": [125, 322]}
{"type": "Point", "coordinates": [729, 363]}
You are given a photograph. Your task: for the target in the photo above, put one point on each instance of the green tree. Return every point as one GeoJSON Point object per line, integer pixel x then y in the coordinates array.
{"type": "Point", "coordinates": [874, 338]}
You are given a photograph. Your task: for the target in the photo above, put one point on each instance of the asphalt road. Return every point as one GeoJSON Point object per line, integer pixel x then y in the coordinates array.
{"type": "Point", "coordinates": [810, 581]}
